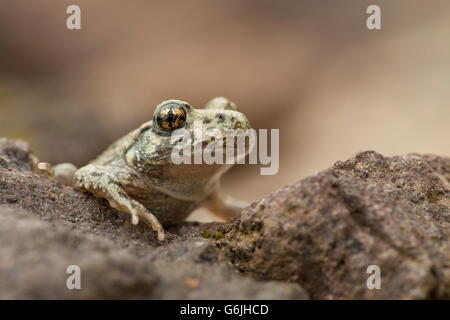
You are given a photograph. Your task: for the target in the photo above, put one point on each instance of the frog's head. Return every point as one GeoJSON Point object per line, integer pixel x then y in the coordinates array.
{"type": "Point", "coordinates": [219, 115]}
{"type": "Point", "coordinates": [176, 124]}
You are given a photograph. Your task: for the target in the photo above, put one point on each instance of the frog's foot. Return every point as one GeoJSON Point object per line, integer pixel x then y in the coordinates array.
{"type": "Point", "coordinates": [97, 180]}
{"type": "Point", "coordinates": [63, 172]}
{"type": "Point", "coordinates": [226, 208]}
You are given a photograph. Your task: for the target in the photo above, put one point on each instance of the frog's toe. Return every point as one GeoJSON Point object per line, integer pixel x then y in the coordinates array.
{"type": "Point", "coordinates": [45, 167]}
{"type": "Point", "coordinates": [154, 223]}
{"type": "Point", "coordinates": [134, 219]}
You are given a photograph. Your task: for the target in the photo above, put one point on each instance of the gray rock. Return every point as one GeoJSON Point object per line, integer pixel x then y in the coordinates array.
{"type": "Point", "coordinates": [324, 231]}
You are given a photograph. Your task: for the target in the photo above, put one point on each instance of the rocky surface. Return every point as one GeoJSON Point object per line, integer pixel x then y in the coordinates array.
{"type": "Point", "coordinates": [46, 227]}
{"type": "Point", "coordinates": [320, 234]}
{"type": "Point", "coordinates": [324, 231]}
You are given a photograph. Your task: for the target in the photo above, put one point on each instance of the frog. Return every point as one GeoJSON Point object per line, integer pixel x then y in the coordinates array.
{"type": "Point", "coordinates": [137, 176]}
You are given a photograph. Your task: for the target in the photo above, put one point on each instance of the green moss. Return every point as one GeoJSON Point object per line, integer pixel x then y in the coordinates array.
{"type": "Point", "coordinates": [206, 235]}
{"type": "Point", "coordinates": [217, 235]}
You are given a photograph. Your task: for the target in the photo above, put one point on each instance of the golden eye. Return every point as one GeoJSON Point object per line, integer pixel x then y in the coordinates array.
{"type": "Point", "coordinates": [171, 117]}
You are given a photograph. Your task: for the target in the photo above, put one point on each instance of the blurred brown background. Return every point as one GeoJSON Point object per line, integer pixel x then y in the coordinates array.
{"type": "Point", "coordinates": [310, 68]}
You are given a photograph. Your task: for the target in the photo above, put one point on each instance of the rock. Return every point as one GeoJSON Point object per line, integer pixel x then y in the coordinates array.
{"type": "Point", "coordinates": [190, 269]}
{"type": "Point", "coordinates": [36, 255]}
{"type": "Point", "coordinates": [325, 231]}
{"type": "Point", "coordinates": [45, 227]}
{"type": "Point", "coordinates": [320, 234]}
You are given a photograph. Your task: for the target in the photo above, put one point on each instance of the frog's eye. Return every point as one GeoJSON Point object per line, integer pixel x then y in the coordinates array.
{"type": "Point", "coordinates": [171, 117]}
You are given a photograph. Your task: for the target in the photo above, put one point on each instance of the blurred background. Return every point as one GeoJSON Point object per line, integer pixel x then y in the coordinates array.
{"type": "Point", "coordinates": [310, 68]}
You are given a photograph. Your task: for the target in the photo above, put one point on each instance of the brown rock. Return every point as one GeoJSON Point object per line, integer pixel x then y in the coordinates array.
{"type": "Point", "coordinates": [324, 231]}
{"type": "Point", "coordinates": [320, 234]}
{"type": "Point", "coordinates": [45, 227]}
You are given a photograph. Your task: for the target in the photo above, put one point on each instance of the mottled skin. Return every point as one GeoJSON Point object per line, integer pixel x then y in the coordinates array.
{"type": "Point", "coordinates": [137, 176]}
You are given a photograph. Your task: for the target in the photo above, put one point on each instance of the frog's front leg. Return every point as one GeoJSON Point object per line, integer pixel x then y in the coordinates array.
{"type": "Point", "coordinates": [100, 181]}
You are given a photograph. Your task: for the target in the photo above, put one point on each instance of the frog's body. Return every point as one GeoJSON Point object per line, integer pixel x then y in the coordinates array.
{"type": "Point", "coordinates": [137, 175]}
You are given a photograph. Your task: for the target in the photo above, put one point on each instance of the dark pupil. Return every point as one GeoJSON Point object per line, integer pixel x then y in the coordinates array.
{"type": "Point", "coordinates": [171, 117]}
